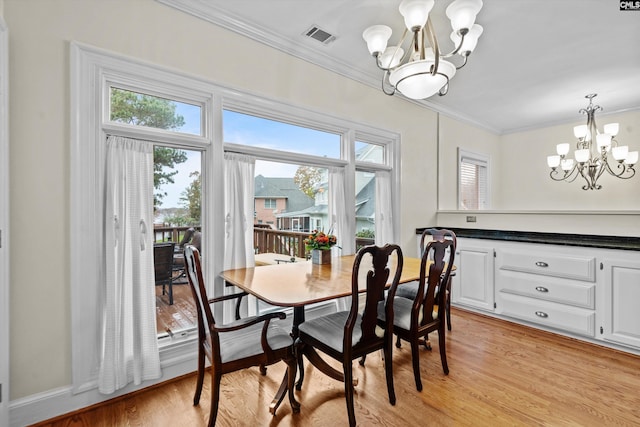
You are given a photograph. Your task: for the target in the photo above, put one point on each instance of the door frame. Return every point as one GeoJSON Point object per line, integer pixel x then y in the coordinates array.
{"type": "Point", "coordinates": [4, 224]}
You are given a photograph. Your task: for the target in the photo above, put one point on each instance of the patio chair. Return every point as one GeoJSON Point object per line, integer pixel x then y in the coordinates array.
{"type": "Point", "coordinates": [163, 267]}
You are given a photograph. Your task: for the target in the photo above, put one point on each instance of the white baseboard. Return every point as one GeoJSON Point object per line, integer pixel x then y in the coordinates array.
{"type": "Point", "coordinates": [49, 404]}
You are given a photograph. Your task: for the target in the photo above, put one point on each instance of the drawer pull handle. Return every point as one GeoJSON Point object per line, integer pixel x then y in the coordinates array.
{"type": "Point", "coordinates": [541, 289]}
{"type": "Point", "coordinates": [542, 314]}
{"type": "Point", "coordinates": [542, 264]}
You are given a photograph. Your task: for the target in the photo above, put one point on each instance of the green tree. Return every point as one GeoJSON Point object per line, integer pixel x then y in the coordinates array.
{"type": "Point", "coordinates": [190, 198]}
{"type": "Point", "coordinates": [306, 178]}
{"type": "Point", "coordinates": [145, 110]}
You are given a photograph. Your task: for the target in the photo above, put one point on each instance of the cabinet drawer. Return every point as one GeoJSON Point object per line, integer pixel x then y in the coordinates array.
{"type": "Point", "coordinates": [548, 264]}
{"type": "Point", "coordinates": [567, 318]}
{"type": "Point", "coordinates": [580, 294]}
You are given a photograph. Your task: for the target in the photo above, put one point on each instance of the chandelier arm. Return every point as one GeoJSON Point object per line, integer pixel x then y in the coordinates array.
{"type": "Point", "coordinates": [625, 169]}
{"type": "Point", "coordinates": [396, 47]}
{"type": "Point", "coordinates": [462, 33]}
{"type": "Point", "coordinates": [433, 42]}
{"type": "Point", "coordinates": [385, 77]}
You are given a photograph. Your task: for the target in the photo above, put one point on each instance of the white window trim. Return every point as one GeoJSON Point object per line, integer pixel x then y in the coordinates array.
{"type": "Point", "coordinates": [92, 70]}
{"type": "Point", "coordinates": [4, 222]}
{"type": "Point", "coordinates": [481, 159]}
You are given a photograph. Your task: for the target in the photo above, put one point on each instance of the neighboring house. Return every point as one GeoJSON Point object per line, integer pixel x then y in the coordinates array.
{"type": "Point", "coordinates": [274, 196]}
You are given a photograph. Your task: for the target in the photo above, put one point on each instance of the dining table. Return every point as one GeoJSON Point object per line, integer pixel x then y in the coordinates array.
{"type": "Point", "coordinates": [299, 284]}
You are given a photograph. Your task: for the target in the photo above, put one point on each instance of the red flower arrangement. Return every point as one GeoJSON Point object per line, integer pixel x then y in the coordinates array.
{"type": "Point", "coordinates": [320, 240]}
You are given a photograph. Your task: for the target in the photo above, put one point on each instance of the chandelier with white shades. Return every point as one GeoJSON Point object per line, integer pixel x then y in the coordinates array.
{"type": "Point", "coordinates": [422, 71]}
{"type": "Point", "coordinates": [592, 157]}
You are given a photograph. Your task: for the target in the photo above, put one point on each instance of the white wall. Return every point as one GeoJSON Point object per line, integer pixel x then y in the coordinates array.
{"type": "Point", "coordinates": [524, 197]}
{"type": "Point", "coordinates": [40, 34]}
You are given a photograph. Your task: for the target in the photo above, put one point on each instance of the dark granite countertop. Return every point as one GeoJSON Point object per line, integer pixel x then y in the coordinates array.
{"type": "Point", "coordinates": [586, 240]}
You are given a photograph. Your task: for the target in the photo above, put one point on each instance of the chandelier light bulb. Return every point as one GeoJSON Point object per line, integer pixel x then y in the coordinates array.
{"type": "Point", "coordinates": [582, 155]}
{"type": "Point", "coordinates": [376, 37]}
{"type": "Point", "coordinates": [612, 128]}
{"type": "Point", "coordinates": [632, 158]}
{"type": "Point", "coordinates": [391, 57]}
{"type": "Point", "coordinates": [580, 131]}
{"type": "Point", "coordinates": [553, 161]}
{"type": "Point", "coordinates": [462, 13]}
{"type": "Point", "coordinates": [470, 39]}
{"type": "Point", "coordinates": [415, 13]}
{"type": "Point", "coordinates": [566, 164]}
{"type": "Point", "coordinates": [604, 141]}
{"type": "Point", "coordinates": [562, 149]}
{"type": "Point", "coordinates": [620, 153]}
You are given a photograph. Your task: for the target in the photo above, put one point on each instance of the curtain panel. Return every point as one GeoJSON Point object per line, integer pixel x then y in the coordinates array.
{"type": "Point", "coordinates": [129, 350]}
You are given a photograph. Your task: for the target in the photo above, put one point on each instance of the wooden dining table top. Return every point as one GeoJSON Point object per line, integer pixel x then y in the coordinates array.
{"type": "Point", "coordinates": [300, 283]}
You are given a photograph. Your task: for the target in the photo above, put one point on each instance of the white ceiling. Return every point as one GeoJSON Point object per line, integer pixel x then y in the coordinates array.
{"type": "Point", "coordinates": [535, 61]}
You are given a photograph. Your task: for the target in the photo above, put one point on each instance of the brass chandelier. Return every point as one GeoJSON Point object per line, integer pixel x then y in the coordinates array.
{"type": "Point", "coordinates": [592, 153]}
{"type": "Point", "coordinates": [422, 71]}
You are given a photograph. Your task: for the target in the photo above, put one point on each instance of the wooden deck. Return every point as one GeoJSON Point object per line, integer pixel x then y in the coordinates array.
{"type": "Point", "coordinates": [179, 316]}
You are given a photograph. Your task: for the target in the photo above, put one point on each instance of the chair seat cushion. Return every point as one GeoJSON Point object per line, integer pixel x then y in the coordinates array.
{"type": "Point", "coordinates": [245, 342]}
{"type": "Point", "coordinates": [329, 329]}
{"type": "Point", "coordinates": [402, 312]}
{"type": "Point", "coordinates": [407, 290]}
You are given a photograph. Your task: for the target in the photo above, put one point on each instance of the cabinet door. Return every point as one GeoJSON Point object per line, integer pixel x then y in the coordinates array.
{"type": "Point", "coordinates": [621, 317]}
{"type": "Point", "coordinates": [473, 282]}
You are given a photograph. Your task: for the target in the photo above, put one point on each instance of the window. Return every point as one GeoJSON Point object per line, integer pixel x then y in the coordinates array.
{"type": "Point", "coordinates": [473, 180]}
{"type": "Point", "coordinates": [269, 203]}
{"type": "Point", "coordinates": [299, 139]}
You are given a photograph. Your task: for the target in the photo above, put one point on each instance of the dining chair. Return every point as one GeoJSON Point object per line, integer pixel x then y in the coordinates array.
{"type": "Point", "coordinates": [163, 267]}
{"type": "Point", "coordinates": [409, 290]}
{"type": "Point", "coordinates": [415, 318]}
{"type": "Point", "coordinates": [251, 341]}
{"type": "Point", "coordinates": [351, 334]}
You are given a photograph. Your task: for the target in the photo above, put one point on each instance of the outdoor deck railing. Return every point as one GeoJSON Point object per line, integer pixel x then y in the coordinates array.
{"type": "Point", "coordinates": [265, 240]}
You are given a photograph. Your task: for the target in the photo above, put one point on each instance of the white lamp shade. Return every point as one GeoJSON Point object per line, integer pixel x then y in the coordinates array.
{"type": "Point", "coordinates": [580, 131]}
{"type": "Point", "coordinates": [562, 149]}
{"type": "Point", "coordinates": [566, 164]}
{"type": "Point", "coordinates": [415, 81]}
{"type": "Point", "coordinates": [582, 155]}
{"type": "Point", "coordinates": [620, 153]}
{"type": "Point", "coordinates": [603, 140]}
{"type": "Point", "coordinates": [376, 37]}
{"type": "Point", "coordinates": [553, 161]}
{"type": "Point", "coordinates": [415, 12]}
{"type": "Point", "coordinates": [391, 57]}
{"type": "Point", "coordinates": [632, 158]}
{"type": "Point", "coordinates": [612, 128]}
{"type": "Point", "coordinates": [462, 13]}
{"type": "Point", "coordinates": [470, 39]}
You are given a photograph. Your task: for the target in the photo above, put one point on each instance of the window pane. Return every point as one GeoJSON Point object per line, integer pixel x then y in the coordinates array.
{"type": "Point", "coordinates": [177, 208]}
{"type": "Point", "coordinates": [244, 129]}
{"type": "Point", "coordinates": [473, 185]}
{"type": "Point", "coordinates": [365, 208]}
{"type": "Point", "coordinates": [138, 109]}
{"type": "Point", "coordinates": [366, 152]}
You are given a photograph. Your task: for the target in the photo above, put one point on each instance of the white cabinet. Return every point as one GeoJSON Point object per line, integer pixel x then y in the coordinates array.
{"type": "Point", "coordinates": [621, 300]}
{"type": "Point", "coordinates": [472, 284]}
{"type": "Point", "coordinates": [548, 285]}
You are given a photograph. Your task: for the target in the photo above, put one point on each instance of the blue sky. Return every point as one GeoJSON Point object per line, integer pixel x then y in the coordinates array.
{"type": "Point", "coordinates": [254, 131]}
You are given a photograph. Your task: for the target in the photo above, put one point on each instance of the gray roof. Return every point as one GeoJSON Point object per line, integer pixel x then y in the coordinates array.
{"type": "Point", "coordinates": [282, 188]}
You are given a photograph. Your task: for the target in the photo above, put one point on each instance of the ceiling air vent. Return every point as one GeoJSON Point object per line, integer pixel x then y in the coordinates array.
{"type": "Point", "coordinates": [320, 35]}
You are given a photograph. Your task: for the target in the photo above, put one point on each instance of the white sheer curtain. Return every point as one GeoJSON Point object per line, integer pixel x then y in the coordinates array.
{"type": "Point", "coordinates": [239, 211]}
{"type": "Point", "coordinates": [338, 212]}
{"type": "Point", "coordinates": [129, 350]}
{"type": "Point", "coordinates": [384, 208]}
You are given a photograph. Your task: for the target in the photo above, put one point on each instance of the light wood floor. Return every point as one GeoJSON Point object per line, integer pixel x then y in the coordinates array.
{"type": "Point", "coordinates": [501, 374]}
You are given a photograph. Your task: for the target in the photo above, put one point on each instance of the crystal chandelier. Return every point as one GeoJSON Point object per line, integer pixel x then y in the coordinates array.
{"type": "Point", "coordinates": [422, 71]}
{"type": "Point", "coordinates": [591, 160]}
